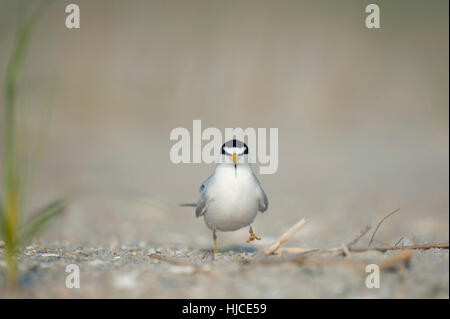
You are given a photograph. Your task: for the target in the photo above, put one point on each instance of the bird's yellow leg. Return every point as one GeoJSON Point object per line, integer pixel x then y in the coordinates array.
{"type": "Point", "coordinates": [215, 241]}
{"type": "Point", "coordinates": [252, 236]}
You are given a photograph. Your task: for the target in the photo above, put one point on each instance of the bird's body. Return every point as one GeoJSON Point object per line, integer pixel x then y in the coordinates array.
{"type": "Point", "coordinates": [235, 196]}
{"type": "Point", "coordinates": [232, 196]}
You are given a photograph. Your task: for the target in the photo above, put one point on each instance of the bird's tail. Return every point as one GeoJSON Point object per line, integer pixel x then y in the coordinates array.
{"type": "Point", "coordinates": [188, 205]}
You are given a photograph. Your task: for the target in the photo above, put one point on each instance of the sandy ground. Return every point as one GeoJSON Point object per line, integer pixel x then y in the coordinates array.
{"type": "Point", "coordinates": [114, 261]}
{"type": "Point", "coordinates": [128, 272]}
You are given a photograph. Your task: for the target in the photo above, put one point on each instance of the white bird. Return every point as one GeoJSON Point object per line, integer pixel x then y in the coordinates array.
{"type": "Point", "coordinates": [232, 196]}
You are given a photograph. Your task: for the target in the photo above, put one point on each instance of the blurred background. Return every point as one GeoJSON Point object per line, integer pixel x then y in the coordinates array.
{"type": "Point", "coordinates": [362, 114]}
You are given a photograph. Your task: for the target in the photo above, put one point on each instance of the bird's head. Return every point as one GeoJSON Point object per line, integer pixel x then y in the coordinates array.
{"type": "Point", "coordinates": [234, 152]}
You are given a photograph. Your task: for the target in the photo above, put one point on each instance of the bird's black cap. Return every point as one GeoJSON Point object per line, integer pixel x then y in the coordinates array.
{"type": "Point", "coordinates": [234, 144]}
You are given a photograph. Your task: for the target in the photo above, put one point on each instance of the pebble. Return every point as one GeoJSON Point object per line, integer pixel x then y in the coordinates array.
{"type": "Point", "coordinates": [49, 255]}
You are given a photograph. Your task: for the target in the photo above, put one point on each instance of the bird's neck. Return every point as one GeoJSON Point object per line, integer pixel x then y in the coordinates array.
{"type": "Point", "coordinates": [240, 171]}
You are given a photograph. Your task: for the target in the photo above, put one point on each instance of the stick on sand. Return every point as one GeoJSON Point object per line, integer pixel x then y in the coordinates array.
{"type": "Point", "coordinates": [379, 224]}
{"type": "Point", "coordinates": [285, 237]}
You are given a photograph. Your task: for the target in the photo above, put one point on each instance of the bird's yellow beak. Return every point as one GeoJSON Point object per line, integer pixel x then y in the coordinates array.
{"type": "Point", "coordinates": [234, 158]}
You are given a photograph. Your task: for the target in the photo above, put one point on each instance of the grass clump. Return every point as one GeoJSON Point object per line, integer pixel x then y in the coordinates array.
{"type": "Point", "coordinates": [15, 230]}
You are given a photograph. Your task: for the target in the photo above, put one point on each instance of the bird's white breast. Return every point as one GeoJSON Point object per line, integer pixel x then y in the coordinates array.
{"type": "Point", "coordinates": [234, 197]}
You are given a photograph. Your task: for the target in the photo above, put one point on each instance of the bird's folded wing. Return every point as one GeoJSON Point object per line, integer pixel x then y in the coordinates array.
{"type": "Point", "coordinates": [263, 202]}
{"type": "Point", "coordinates": [203, 201]}
{"type": "Point", "coordinates": [202, 205]}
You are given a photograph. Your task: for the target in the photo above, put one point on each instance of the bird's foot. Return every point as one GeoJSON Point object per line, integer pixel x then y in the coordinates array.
{"type": "Point", "coordinates": [252, 236]}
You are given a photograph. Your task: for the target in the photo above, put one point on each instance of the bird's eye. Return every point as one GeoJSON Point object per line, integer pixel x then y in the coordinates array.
{"type": "Point", "coordinates": [223, 151]}
{"type": "Point", "coordinates": [246, 150]}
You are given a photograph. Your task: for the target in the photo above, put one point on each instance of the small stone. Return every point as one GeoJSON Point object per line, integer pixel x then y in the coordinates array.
{"type": "Point", "coordinates": [49, 255]}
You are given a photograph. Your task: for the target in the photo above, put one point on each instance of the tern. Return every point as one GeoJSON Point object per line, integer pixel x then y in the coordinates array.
{"type": "Point", "coordinates": [232, 196]}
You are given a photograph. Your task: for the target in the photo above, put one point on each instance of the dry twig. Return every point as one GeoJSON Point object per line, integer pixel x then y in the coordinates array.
{"type": "Point", "coordinates": [346, 247]}
{"type": "Point", "coordinates": [379, 224]}
{"type": "Point", "coordinates": [297, 250]}
{"type": "Point", "coordinates": [285, 237]}
{"type": "Point", "coordinates": [360, 235]}
{"type": "Point", "coordinates": [303, 255]}
{"type": "Point", "coordinates": [403, 257]}
{"type": "Point", "coordinates": [345, 250]}
{"type": "Point", "coordinates": [420, 247]}
{"type": "Point", "coordinates": [398, 242]}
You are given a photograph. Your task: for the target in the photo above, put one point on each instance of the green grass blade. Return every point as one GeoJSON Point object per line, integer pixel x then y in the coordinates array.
{"type": "Point", "coordinates": [34, 154]}
{"type": "Point", "coordinates": [11, 163]}
{"type": "Point", "coordinates": [2, 221]}
{"type": "Point", "coordinates": [10, 216]}
{"type": "Point", "coordinates": [40, 218]}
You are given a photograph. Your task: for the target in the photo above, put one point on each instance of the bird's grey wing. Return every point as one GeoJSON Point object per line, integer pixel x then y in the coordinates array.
{"type": "Point", "coordinates": [203, 201]}
{"type": "Point", "coordinates": [263, 202]}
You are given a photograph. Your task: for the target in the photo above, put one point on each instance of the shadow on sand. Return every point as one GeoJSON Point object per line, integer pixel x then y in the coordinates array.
{"type": "Point", "coordinates": [236, 249]}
